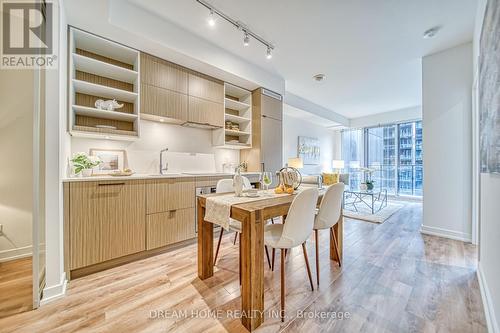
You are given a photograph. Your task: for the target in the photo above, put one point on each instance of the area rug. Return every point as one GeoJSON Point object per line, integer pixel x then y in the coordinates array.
{"type": "Point", "coordinates": [365, 214]}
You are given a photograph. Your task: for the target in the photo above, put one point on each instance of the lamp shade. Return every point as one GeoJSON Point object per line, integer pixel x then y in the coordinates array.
{"type": "Point", "coordinates": [295, 162]}
{"type": "Point", "coordinates": [338, 164]}
{"type": "Point", "coordinates": [354, 165]}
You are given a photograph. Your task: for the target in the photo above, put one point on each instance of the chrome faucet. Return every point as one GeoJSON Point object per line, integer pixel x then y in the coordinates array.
{"type": "Point", "coordinates": [162, 169]}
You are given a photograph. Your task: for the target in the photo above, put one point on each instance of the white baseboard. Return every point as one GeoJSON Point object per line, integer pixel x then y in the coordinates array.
{"type": "Point", "coordinates": [52, 293]}
{"type": "Point", "coordinates": [451, 234]}
{"type": "Point", "coordinates": [489, 311]}
{"type": "Point", "coordinates": [12, 254]}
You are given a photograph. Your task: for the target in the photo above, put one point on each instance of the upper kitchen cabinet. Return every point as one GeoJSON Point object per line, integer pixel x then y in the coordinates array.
{"type": "Point", "coordinates": [164, 88]}
{"type": "Point", "coordinates": [100, 69]}
{"type": "Point", "coordinates": [206, 101]}
{"type": "Point", "coordinates": [175, 94]}
{"type": "Point", "coordinates": [163, 74]}
{"type": "Point", "coordinates": [206, 87]}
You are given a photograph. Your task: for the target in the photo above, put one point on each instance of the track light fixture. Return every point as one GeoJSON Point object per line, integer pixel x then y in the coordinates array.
{"type": "Point", "coordinates": [269, 53]}
{"type": "Point", "coordinates": [211, 19]}
{"type": "Point", "coordinates": [238, 25]}
{"type": "Point", "coordinates": [246, 39]}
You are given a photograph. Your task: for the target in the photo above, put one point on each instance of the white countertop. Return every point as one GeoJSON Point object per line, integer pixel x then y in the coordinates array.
{"type": "Point", "coordinates": [137, 176]}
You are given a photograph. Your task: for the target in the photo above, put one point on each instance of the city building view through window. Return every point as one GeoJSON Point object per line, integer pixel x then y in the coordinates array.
{"type": "Point", "coordinates": [393, 153]}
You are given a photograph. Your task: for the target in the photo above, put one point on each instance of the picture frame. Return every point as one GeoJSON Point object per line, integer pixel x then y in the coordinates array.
{"type": "Point", "coordinates": [112, 160]}
{"type": "Point", "coordinates": [309, 150]}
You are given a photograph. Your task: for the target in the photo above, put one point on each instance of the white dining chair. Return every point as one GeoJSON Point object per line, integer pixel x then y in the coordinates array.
{"type": "Point", "coordinates": [226, 186]}
{"type": "Point", "coordinates": [327, 217]}
{"type": "Point", "coordinates": [295, 230]}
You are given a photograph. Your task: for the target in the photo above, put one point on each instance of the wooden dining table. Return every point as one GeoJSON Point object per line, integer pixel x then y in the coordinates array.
{"type": "Point", "coordinates": [253, 216]}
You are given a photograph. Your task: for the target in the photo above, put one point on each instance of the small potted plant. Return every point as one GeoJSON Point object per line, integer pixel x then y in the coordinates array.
{"type": "Point", "coordinates": [83, 164]}
{"type": "Point", "coordinates": [368, 184]}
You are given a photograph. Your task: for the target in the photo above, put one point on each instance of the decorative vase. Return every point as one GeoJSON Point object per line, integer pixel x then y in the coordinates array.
{"type": "Point", "coordinates": [238, 183]}
{"type": "Point", "coordinates": [86, 172]}
{"type": "Point", "coordinates": [363, 187]}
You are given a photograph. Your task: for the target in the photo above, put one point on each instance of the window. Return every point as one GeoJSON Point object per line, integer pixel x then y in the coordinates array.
{"type": "Point", "coordinates": [393, 151]}
{"type": "Point", "coordinates": [381, 147]}
{"type": "Point", "coordinates": [352, 154]}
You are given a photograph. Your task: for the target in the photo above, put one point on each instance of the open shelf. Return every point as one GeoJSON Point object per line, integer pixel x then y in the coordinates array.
{"type": "Point", "coordinates": [237, 92]}
{"type": "Point", "coordinates": [235, 105]}
{"type": "Point", "coordinates": [105, 114]}
{"type": "Point", "coordinates": [101, 68]}
{"type": "Point", "coordinates": [238, 110]}
{"type": "Point", "coordinates": [107, 133]}
{"type": "Point", "coordinates": [88, 88]}
{"type": "Point", "coordinates": [104, 47]}
{"type": "Point", "coordinates": [235, 146]}
{"type": "Point", "coordinates": [236, 133]}
{"type": "Point", "coordinates": [236, 119]}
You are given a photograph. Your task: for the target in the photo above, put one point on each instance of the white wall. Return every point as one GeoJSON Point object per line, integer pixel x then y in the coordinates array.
{"type": "Point", "coordinates": [143, 154]}
{"type": "Point", "coordinates": [57, 146]}
{"type": "Point", "coordinates": [390, 117]}
{"type": "Point", "coordinates": [329, 142]}
{"type": "Point", "coordinates": [489, 269]}
{"type": "Point", "coordinates": [489, 219]}
{"type": "Point", "coordinates": [447, 84]}
{"type": "Point", "coordinates": [16, 169]}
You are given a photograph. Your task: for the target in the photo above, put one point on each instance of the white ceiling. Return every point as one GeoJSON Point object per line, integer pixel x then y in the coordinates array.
{"type": "Point", "coordinates": [309, 117]}
{"type": "Point", "coordinates": [370, 50]}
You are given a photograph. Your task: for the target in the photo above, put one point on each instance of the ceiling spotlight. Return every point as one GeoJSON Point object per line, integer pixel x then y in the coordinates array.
{"type": "Point", "coordinates": [431, 32]}
{"type": "Point", "coordinates": [211, 18]}
{"type": "Point", "coordinates": [269, 53]}
{"type": "Point", "coordinates": [319, 77]}
{"type": "Point", "coordinates": [246, 39]}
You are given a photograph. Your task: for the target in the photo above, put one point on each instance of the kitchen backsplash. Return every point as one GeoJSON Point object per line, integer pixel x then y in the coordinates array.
{"type": "Point", "coordinates": [143, 155]}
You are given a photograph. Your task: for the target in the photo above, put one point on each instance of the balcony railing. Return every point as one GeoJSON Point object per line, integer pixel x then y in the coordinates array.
{"type": "Point", "coordinates": [402, 180]}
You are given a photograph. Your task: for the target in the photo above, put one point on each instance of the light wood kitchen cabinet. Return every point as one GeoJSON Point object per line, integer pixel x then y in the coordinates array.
{"type": "Point", "coordinates": [267, 128]}
{"type": "Point", "coordinates": [164, 103]}
{"type": "Point", "coordinates": [163, 195]}
{"type": "Point", "coordinates": [169, 227]}
{"type": "Point", "coordinates": [107, 221]}
{"type": "Point", "coordinates": [205, 87]}
{"type": "Point", "coordinates": [203, 111]}
{"type": "Point", "coordinates": [163, 74]}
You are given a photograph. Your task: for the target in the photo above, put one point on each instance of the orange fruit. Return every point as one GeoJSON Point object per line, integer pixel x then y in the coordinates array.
{"type": "Point", "coordinates": [289, 190]}
{"type": "Point", "coordinates": [278, 190]}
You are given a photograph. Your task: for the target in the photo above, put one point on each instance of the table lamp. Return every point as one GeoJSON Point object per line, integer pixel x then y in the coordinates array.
{"type": "Point", "coordinates": [338, 165]}
{"type": "Point", "coordinates": [295, 162]}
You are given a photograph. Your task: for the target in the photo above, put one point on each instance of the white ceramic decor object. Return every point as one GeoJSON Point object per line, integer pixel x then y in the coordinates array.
{"type": "Point", "coordinates": [109, 105]}
{"type": "Point", "coordinates": [238, 183]}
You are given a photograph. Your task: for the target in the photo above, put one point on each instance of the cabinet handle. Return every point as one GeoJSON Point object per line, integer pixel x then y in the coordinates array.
{"type": "Point", "coordinates": [110, 184]}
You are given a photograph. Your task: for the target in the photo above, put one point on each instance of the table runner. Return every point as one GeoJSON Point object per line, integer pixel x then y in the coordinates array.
{"type": "Point", "coordinates": [218, 208]}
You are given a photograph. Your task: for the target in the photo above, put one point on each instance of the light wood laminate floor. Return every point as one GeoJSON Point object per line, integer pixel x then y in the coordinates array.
{"type": "Point", "coordinates": [16, 287]}
{"type": "Point", "coordinates": [393, 279]}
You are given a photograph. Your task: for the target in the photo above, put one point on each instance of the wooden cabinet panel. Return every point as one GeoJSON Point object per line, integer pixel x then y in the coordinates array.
{"type": "Point", "coordinates": [157, 196]}
{"type": "Point", "coordinates": [163, 195]}
{"type": "Point", "coordinates": [170, 227]}
{"type": "Point", "coordinates": [107, 221]}
{"type": "Point", "coordinates": [207, 88]}
{"type": "Point", "coordinates": [181, 194]}
{"type": "Point", "coordinates": [163, 103]}
{"type": "Point", "coordinates": [163, 74]}
{"type": "Point", "coordinates": [85, 225]}
{"type": "Point", "coordinates": [205, 112]}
